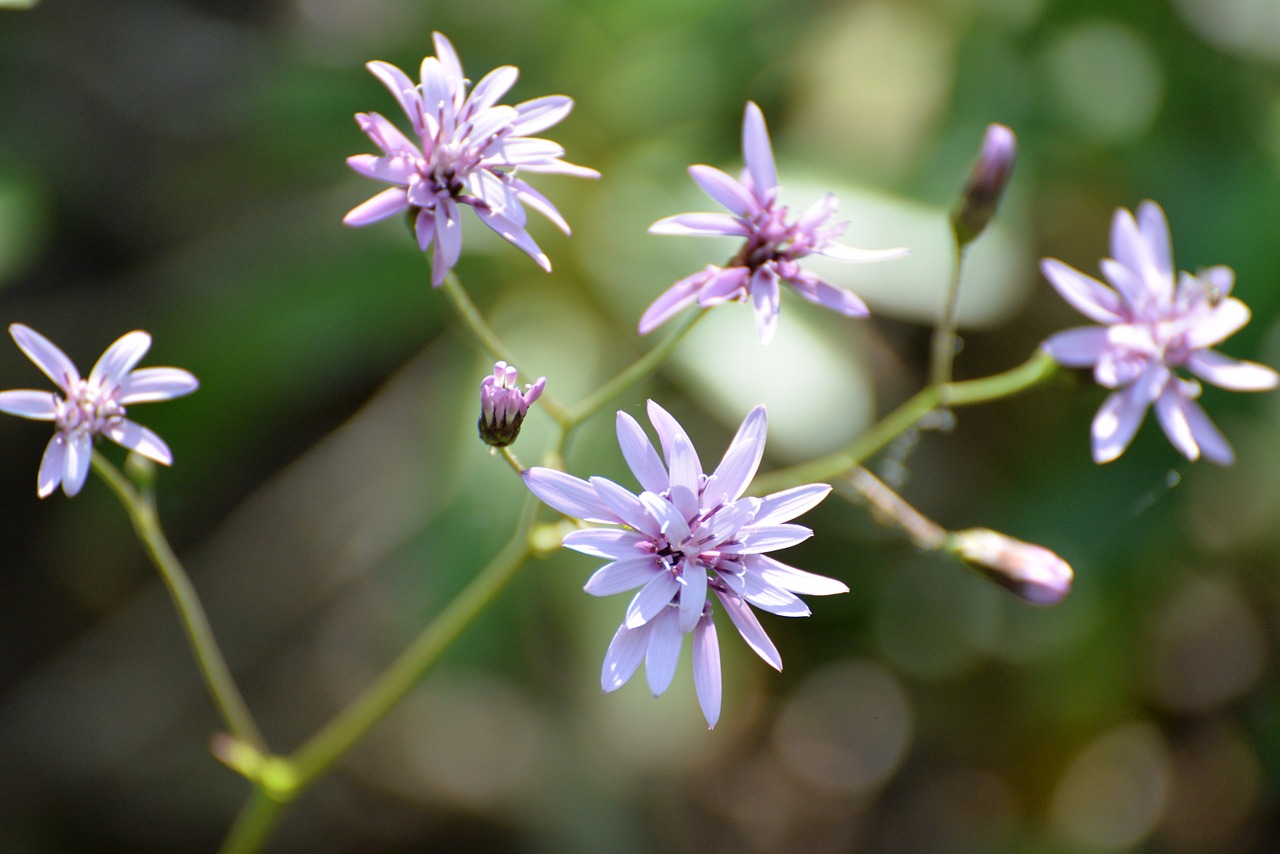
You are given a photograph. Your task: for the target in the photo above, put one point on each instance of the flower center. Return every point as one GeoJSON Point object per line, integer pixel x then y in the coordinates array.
{"type": "Point", "coordinates": [87, 410]}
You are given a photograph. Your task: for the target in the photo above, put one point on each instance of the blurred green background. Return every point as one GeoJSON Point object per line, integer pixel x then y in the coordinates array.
{"type": "Point", "coordinates": [178, 167]}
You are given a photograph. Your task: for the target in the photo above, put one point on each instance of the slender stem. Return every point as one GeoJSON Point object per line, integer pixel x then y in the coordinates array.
{"type": "Point", "coordinates": [489, 340]}
{"type": "Point", "coordinates": [140, 506]}
{"type": "Point", "coordinates": [510, 457]}
{"type": "Point", "coordinates": [638, 370]}
{"type": "Point", "coordinates": [924, 532]}
{"type": "Point", "coordinates": [1029, 374]}
{"type": "Point", "coordinates": [253, 825]}
{"type": "Point", "coordinates": [944, 334]}
{"type": "Point", "coordinates": [330, 743]}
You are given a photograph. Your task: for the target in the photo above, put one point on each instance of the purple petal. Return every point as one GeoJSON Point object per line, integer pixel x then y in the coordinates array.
{"type": "Point", "coordinates": [1085, 294]}
{"type": "Point", "coordinates": [28, 403]}
{"type": "Point", "coordinates": [700, 225]}
{"type": "Point", "coordinates": [448, 231]}
{"type": "Point", "coordinates": [75, 463]}
{"type": "Point", "coordinates": [670, 520]}
{"type": "Point", "coordinates": [531, 197]}
{"type": "Point", "coordinates": [757, 151]}
{"type": "Point", "coordinates": [516, 235]}
{"type": "Point", "coordinates": [672, 301]}
{"type": "Point", "coordinates": [564, 492]}
{"type": "Point", "coordinates": [652, 600]}
{"type": "Point", "coordinates": [448, 56]}
{"type": "Point", "coordinates": [1116, 423]}
{"type": "Point", "coordinates": [406, 94]}
{"type": "Point", "coordinates": [493, 86]}
{"type": "Point", "coordinates": [749, 627]}
{"type": "Point", "coordinates": [727, 284]}
{"type": "Point", "coordinates": [623, 575]}
{"type": "Point", "coordinates": [1129, 246]}
{"type": "Point", "coordinates": [520, 150]}
{"type": "Point", "coordinates": [1211, 441]}
{"type": "Point", "coordinates": [627, 507]}
{"type": "Point", "coordinates": [775, 600]}
{"type": "Point", "coordinates": [665, 640]}
{"type": "Point", "coordinates": [693, 595]}
{"type": "Point", "coordinates": [685, 474]}
{"type": "Point", "coordinates": [559, 167]}
{"type": "Point", "coordinates": [796, 580]}
{"type": "Point", "coordinates": [1225, 372]}
{"type": "Point", "coordinates": [668, 429]}
{"type": "Point", "coordinates": [1172, 414]}
{"type": "Point", "coordinates": [790, 503]}
{"type": "Point", "coordinates": [52, 465]}
{"type": "Point", "coordinates": [608, 543]}
{"type": "Point", "coordinates": [742, 459]}
{"type": "Point", "coordinates": [764, 294]}
{"type": "Point", "coordinates": [390, 201]}
{"type": "Point", "coordinates": [766, 538]}
{"type": "Point", "coordinates": [52, 362]}
{"type": "Point", "coordinates": [725, 190]}
{"type": "Point", "coordinates": [640, 455]}
{"type": "Point", "coordinates": [541, 113]}
{"type": "Point", "coordinates": [424, 228]}
{"type": "Point", "coordinates": [1225, 320]}
{"type": "Point", "coordinates": [829, 296]}
{"type": "Point", "coordinates": [706, 669]}
{"type": "Point", "coordinates": [1154, 229]}
{"type": "Point", "coordinates": [626, 651]}
{"type": "Point", "coordinates": [119, 359]}
{"type": "Point", "coordinates": [137, 438]}
{"type": "Point", "coordinates": [1079, 347]}
{"type": "Point", "coordinates": [149, 385]}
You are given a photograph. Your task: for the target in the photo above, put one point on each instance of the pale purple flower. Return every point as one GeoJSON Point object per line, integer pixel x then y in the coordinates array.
{"type": "Point", "coordinates": [1150, 329]}
{"type": "Point", "coordinates": [503, 406]}
{"type": "Point", "coordinates": [470, 150]}
{"type": "Point", "coordinates": [89, 407]}
{"type": "Point", "coordinates": [774, 242]}
{"type": "Point", "coordinates": [687, 540]}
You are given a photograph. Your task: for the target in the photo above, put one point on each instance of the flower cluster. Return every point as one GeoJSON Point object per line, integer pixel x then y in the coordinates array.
{"type": "Point", "coordinates": [503, 406]}
{"type": "Point", "coordinates": [470, 150]}
{"type": "Point", "coordinates": [1151, 327]}
{"type": "Point", "coordinates": [686, 540]}
{"type": "Point", "coordinates": [93, 406]}
{"type": "Point", "coordinates": [773, 245]}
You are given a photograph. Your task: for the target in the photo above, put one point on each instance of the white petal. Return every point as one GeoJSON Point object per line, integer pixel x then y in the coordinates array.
{"type": "Point", "coordinates": [765, 296]}
{"type": "Point", "coordinates": [1211, 441]}
{"type": "Point", "coordinates": [796, 580]}
{"type": "Point", "coordinates": [693, 595]}
{"type": "Point", "coordinates": [541, 113]}
{"type": "Point", "coordinates": [75, 463]}
{"type": "Point", "coordinates": [665, 640]}
{"type": "Point", "coordinates": [1079, 347]}
{"type": "Point", "coordinates": [1225, 320]}
{"type": "Point", "coordinates": [840, 252]}
{"type": "Point", "coordinates": [627, 507]}
{"type": "Point", "coordinates": [609, 543]}
{"type": "Point", "coordinates": [566, 493]}
{"type": "Point", "coordinates": [52, 465]}
{"type": "Point", "coordinates": [700, 225]}
{"type": "Point", "coordinates": [626, 651]}
{"type": "Point", "coordinates": [706, 669]}
{"type": "Point", "coordinates": [652, 600]}
{"type": "Point", "coordinates": [623, 575]}
{"type": "Point", "coordinates": [749, 627]}
{"type": "Point", "coordinates": [724, 189]}
{"type": "Point", "coordinates": [742, 459]}
{"type": "Point", "coordinates": [1116, 423]}
{"type": "Point", "coordinates": [790, 503]}
{"type": "Point", "coordinates": [389, 202]}
{"type": "Point", "coordinates": [1085, 294]}
{"type": "Point", "coordinates": [1171, 413]}
{"type": "Point", "coordinates": [757, 151]}
{"type": "Point", "coordinates": [766, 538]}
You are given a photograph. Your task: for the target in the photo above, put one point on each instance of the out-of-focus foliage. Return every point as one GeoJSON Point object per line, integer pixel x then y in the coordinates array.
{"type": "Point", "coordinates": [178, 167]}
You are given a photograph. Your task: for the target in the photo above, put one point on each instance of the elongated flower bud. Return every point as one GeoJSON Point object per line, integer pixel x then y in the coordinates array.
{"type": "Point", "coordinates": [503, 406]}
{"type": "Point", "coordinates": [986, 183]}
{"type": "Point", "coordinates": [1032, 572]}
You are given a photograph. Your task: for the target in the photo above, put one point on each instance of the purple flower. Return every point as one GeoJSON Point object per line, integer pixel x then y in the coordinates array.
{"type": "Point", "coordinates": [503, 406]}
{"type": "Point", "coordinates": [773, 247]}
{"type": "Point", "coordinates": [986, 184]}
{"type": "Point", "coordinates": [471, 152]}
{"type": "Point", "coordinates": [1150, 329]}
{"type": "Point", "coordinates": [1032, 572]}
{"type": "Point", "coordinates": [687, 540]}
{"type": "Point", "coordinates": [93, 406]}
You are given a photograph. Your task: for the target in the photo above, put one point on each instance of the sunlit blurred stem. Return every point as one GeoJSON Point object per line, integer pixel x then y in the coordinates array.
{"type": "Point", "coordinates": [638, 370]}
{"type": "Point", "coordinates": [320, 752]}
{"type": "Point", "coordinates": [1036, 370]}
{"type": "Point", "coordinates": [254, 824]}
{"type": "Point", "coordinates": [891, 507]}
{"type": "Point", "coordinates": [944, 333]}
{"type": "Point", "coordinates": [510, 457]}
{"type": "Point", "coordinates": [489, 340]}
{"type": "Point", "coordinates": [140, 505]}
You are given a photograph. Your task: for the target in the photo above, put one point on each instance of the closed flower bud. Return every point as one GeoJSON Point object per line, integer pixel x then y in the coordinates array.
{"type": "Point", "coordinates": [1031, 572]}
{"type": "Point", "coordinates": [503, 406]}
{"type": "Point", "coordinates": [986, 183]}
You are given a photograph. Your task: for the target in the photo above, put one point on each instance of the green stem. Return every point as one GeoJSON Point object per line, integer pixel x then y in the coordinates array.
{"type": "Point", "coordinates": [339, 735]}
{"type": "Point", "coordinates": [489, 340]}
{"type": "Point", "coordinates": [253, 825]}
{"type": "Point", "coordinates": [1029, 374]}
{"type": "Point", "coordinates": [140, 506]}
{"type": "Point", "coordinates": [944, 334]}
{"type": "Point", "coordinates": [638, 370]}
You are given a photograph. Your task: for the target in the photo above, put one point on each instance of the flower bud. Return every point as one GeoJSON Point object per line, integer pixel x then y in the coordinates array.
{"type": "Point", "coordinates": [986, 183]}
{"type": "Point", "coordinates": [503, 406]}
{"type": "Point", "coordinates": [1032, 572]}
